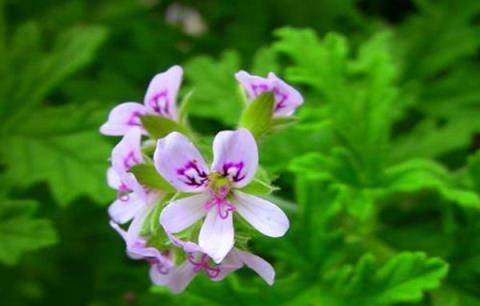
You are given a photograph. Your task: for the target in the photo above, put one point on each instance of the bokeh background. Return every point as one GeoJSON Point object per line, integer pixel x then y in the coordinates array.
{"type": "Point", "coordinates": [380, 176]}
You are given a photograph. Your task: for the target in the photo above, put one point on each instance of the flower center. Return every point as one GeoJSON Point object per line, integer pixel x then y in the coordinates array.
{"type": "Point", "coordinates": [218, 200]}
{"type": "Point", "coordinates": [202, 265]}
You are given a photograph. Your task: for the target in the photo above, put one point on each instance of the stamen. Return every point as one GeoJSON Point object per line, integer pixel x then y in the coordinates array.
{"type": "Point", "coordinates": [202, 265]}
{"type": "Point", "coordinates": [218, 200]}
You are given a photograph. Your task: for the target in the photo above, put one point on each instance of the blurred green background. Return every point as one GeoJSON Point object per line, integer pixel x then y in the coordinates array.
{"type": "Point", "coordinates": [380, 177]}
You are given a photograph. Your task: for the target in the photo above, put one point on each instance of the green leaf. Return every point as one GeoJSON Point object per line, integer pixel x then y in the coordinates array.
{"type": "Point", "coordinates": [404, 278]}
{"type": "Point", "coordinates": [418, 175]}
{"type": "Point", "coordinates": [257, 117]}
{"type": "Point", "coordinates": [70, 155]}
{"type": "Point", "coordinates": [20, 232]}
{"type": "Point", "coordinates": [147, 175]}
{"type": "Point", "coordinates": [159, 127]}
{"type": "Point", "coordinates": [215, 87]}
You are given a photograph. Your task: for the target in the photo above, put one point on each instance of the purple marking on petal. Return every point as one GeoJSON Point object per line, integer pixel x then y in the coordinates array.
{"type": "Point", "coordinates": [123, 192]}
{"type": "Point", "coordinates": [160, 103]}
{"type": "Point", "coordinates": [280, 98]}
{"type": "Point", "coordinates": [259, 88]}
{"type": "Point", "coordinates": [192, 174]}
{"type": "Point", "coordinates": [134, 119]}
{"type": "Point", "coordinates": [202, 265]}
{"type": "Point", "coordinates": [130, 161]}
{"type": "Point", "coordinates": [233, 171]}
{"type": "Point", "coordinates": [219, 201]}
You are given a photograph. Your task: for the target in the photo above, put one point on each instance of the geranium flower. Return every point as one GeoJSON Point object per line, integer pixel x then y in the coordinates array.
{"type": "Point", "coordinates": [218, 196]}
{"type": "Point", "coordinates": [133, 201]}
{"type": "Point", "coordinates": [160, 99]}
{"type": "Point", "coordinates": [287, 98]}
{"type": "Point", "coordinates": [198, 261]}
{"type": "Point", "coordinates": [161, 263]}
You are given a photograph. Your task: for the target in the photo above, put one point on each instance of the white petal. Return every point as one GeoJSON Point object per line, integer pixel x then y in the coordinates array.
{"type": "Point", "coordinates": [216, 235]}
{"type": "Point", "coordinates": [183, 275]}
{"type": "Point", "coordinates": [113, 179]}
{"type": "Point", "coordinates": [135, 227]}
{"type": "Point", "coordinates": [180, 163]}
{"type": "Point", "coordinates": [235, 156]}
{"type": "Point", "coordinates": [254, 85]}
{"type": "Point", "coordinates": [159, 278]}
{"type": "Point", "coordinates": [265, 216]}
{"type": "Point", "coordinates": [124, 117]}
{"type": "Point", "coordinates": [259, 265]}
{"type": "Point", "coordinates": [162, 91]}
{"type": "Point", "coordinates": [128, 152]}
{"type": "Point", "coordinates": [180, 214]}
{"type": "Point", "coordinates": [123, 211]}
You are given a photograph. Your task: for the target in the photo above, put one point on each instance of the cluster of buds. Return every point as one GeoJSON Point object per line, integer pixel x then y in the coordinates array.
{"type": "Point", "coordinates": [185, 215]}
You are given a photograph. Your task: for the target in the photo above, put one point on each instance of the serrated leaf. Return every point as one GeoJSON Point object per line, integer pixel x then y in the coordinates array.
{"type": "Point", "coordinates": [257, 116]}
{"type": "Point", "coordinates": [147, 175]}
{"type": "Point", "coordinates": [70, 155]}
{"type": "Point", "coordinates": [404, 278]}
{"type": "Point", "coordinates": [20, 232]}
{"type": "Point", "coordinates": [159, 127]}
{"type": "Point", "coordinates": [215, 87]}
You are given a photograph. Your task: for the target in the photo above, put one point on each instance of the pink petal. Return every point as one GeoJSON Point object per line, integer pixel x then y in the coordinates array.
{"type": "Point", "coordinates": [133, 232]}
{"type": "Point", "coordinates": [122, 118]}
{"type": "Point", "coordinates": [265, 216]}
{"type": "Point", "coordinates": [180, 214]}
{"type": "Point", "coordinates": [180, 163]}
{"type": "Point", "coordinates": [259, 265]}
{"type": "Point", "coordinates": [124, 209]}
{"type": "Point", "coordinates": [230, 263]}
{"type": "Point", "coordinates": [235, 156]}
{"type": "Point", "coordinates": [182, 277]}
{"type": "Point", "coordinates": [128, 152]}
{"type": "Point", "coordinates": [162, 93]}
{"type": "Point", "coordinates": [187, 246]}
{"type": "Point", "coordinates": [113, 179]}
{"type": "Point", "coordinates": [158, 277]}
{"type": "Point", "coordinates": [216, 236]}
{"type": "Point", "coordinates": [287, 98]}
{"type": "Point", "coordinates": [254, 85]}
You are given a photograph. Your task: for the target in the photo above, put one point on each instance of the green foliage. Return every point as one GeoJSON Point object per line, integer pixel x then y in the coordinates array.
{"type": "Point", "coordinates": [257, 116]}
{"type": "Point", "coordinates": [159, 127]}
{"type": "Point", "coordinates": [403, 278]}
{"type": "Point", "coordinates": [20, 232]}
{"type": "Point", "coordinates": [381, 159]}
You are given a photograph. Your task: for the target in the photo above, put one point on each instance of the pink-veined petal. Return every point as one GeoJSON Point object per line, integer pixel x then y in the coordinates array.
{"type": "Point", "coordinates": [180, 214]}
{"type": "Point", "coordinates": [263, 215]}
{"type": "Point", "coordinates": [160, 275]}
{"type": "Point", "coordinates": [235, 156]}
{"type": "Point", "coordinates": [128, 152]}
{"type": "Point", "coordinates": [259, 265]}
{"type": "Point", "coordinates": [182, 276]}
{"type": "Point", "coordinates": [230, 263]}
{"type": "Point", "coordinates": [113, 179]}
{"type": "Point", "coordinates": [216, 235]}
{"type": "Point", "coordinates": [162, 91]}
{"type": "Point", "coordinates": [122, 118]}
{"type": "Point", "coordinates": [180, 163]}
{"type": "Point", "coordinates": [254, 85]}
{"type": "Point", "coordinates": [287, 98]}
{"type": "Point", "coordinates": [135, 227]}
{"type": "Point", "coordinates": [125, 208]}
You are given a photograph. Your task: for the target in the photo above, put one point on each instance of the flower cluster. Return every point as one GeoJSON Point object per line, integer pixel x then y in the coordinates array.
{"type": "Point", "coordinates": [185, 215]}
